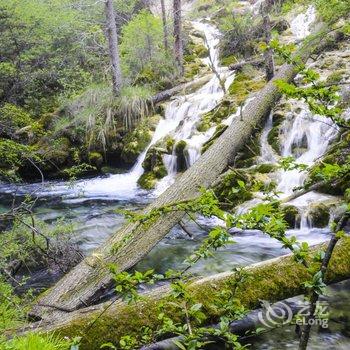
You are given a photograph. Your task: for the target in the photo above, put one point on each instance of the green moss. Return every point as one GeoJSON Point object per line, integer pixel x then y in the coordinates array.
{"type": "Point", "coordinates": [228, 60]}
{"type": "Point", "coordinates": [96, 159]}
{"type": "Point", "coordinates": [180, 151]}
{"type": "Point", "coordinates": [271, 282]}
{"type": "Point", "coordinates": [225, 108]}
{"type": "Point", "coordinates": [57, 151]}
{"type": "Point", "coordinates": [319, 215]}
{"type": "Point", "coordinates": [335, 77]}
{"type": "Point", "coordinates": [338, 154]}
{"type": "Point", "coordinates": [192, 69]}
{"type": "Point", "coordinates": [201, 51]}
{"type": "Point", "coordinates": [219, 130]}
{"type": "Point", "coordinates": [229, 190]}
{"type": "Point", "coordinates": [291, 215]}
{"type": "Point", "coordinates": [243, 85]}
{"type": "Point", "coordinates": [147, 181]}
{"type": "Point", "coordinates": [250, 152]}
{"type": "Point", "coordinates": [136, 141]}
{"type": "Point", "coordinates": [265, 168]}
{"type": "Point", "coordinates": [273, 137]}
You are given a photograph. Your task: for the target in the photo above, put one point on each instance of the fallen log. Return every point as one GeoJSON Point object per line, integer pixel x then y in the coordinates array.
{"type": "Point", "coordinates": [271, 280]}
{"type": "Point", "coordinates": [89, 280]}
{"type": "Point", "coordinates": [239, 65]}
{"type": "Point", "coordinates": [185, 88]}
{"type": "Point", "coordinates": [248, 324]}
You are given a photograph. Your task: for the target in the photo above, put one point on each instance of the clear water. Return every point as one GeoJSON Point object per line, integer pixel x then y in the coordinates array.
{"type": "Point", "coordinates": [91, 204]}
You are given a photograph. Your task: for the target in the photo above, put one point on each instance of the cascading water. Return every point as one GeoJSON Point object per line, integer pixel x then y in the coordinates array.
{"type": "Point", "coordinates": [181, 115]}
{"type": "Point", "coordinates": [300, 26]}
{"type": "Point", "coordinates": [304, 136]}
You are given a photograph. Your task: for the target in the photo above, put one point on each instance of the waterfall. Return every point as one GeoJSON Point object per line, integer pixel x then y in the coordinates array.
{"type": "Point", "coordinates": [300, 25]}
{"type": "Point", "coordinates": [306, 138]}
{"type": "Point", "coordinates": [181, 116]}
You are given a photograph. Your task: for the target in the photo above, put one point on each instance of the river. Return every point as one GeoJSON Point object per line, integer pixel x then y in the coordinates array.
{"type": "Point", "coordinates": [91, 204]}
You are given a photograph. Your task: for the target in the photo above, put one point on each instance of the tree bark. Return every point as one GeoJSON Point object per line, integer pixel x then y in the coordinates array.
{"type": "Point", "coordinates": [165, 26]}
{"type": "Point", "coordinates": [112, 37]}
{"type": "Point", "coordinates": [239, 65]}
{"type": "Point", "coordinates": [178, 49]}
{"type": "Point", "coordinates": [271, 280]}
{"type": "Point", "coordinates": [89, 280]}
{"type": "Point", "coordinates": [268, 54]}
{"type": "Point", "coordinates": [183, 88]}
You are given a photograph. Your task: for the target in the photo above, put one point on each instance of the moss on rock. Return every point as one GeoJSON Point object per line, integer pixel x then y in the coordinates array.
{"type": "Point", "coordinates": [147, 181]}
{"type": "Point", "coordinates": [228, 60]}
{"type": "Point", "coordinates": [265, 168]}
{"type": "Point", "coordinates": [244, 84]}
{"type": "Point", "coordinates": [235, 187]}
{"type": "Point", "coordinates": [214, 117]}
{"type": "Point", "coordinates": [273, 137]}
{"type": "Point", "coordinates": [337, 155]}
{"type": "Point", "coordinates": [136, 141]}
{"type": "Point", "coordinates": [96, 159]}
{"type": "Point", "coordinates": [319, 215]}
{"type": "Point", "coordinates": [250, 153]}
{"type": "Point", "coordinates": [291, 215]}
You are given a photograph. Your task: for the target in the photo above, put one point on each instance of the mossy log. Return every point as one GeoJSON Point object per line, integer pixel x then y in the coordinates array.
{"type": "Point", "coordinates": [239, 65]}
{"type": "Point", "coordinates": [245, 326]}
{"type": "Point", "coordinates": [88, 281]}
{"type": "Point", "coordinates": [272, 280]}
{"type": "Point", "coordinates": [183, 88]}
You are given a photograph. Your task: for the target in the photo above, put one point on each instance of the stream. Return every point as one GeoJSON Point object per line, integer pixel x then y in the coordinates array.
{"type": "Point", "coordinates": [91, 204]}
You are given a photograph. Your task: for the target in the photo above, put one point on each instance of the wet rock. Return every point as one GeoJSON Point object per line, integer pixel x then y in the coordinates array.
{"type": "Point", "coordinates": [96, 159]}
{"type": "Point", "coordinates": [291, 215]}
{"type": "Point", "coordinates": [280, 25]}
{"type": "Point", "coordinates": [319, 215]}
{"type": "Point", "coordinates": [180, 151]}
{"type": "Point", "coordinates": [137, 140]}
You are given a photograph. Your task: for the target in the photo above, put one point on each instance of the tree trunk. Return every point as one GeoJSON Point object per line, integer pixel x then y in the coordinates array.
{"type": "Point", "coordinates": [268, 54]}
{"type": "Point", "coordinates": [165, 26]}
{"type": "Point", "coordinates": [85, 284]}
{"type": "Point", "coordinates": [112, 37]}
{"type": "Point", "coordinates": [183, 89]}
{"type": "Point", "coordinates": [253, 62]}
{"type": "Point", "coordinates": [178, 49]}
{"type": "Point", "coordinates": [271, 280]}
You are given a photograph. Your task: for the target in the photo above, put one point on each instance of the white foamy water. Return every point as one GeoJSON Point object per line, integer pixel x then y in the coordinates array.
{"type": "Point", "coordinates": [300, 25]}
{"type": "Point", "coordinates": [184, 113]}
{"type": "Point", "coordinates": [306, 138]}
{"type": "Point", "coordinates": [181, 116]}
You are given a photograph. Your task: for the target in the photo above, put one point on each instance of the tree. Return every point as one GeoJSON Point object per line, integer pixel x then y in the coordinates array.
{"type": "Point", "coordinates": [85, 282]}
{"type": "Point", "coordinates": [178, 48]}
{"type": "Point", "coordinates": [112, 38]}
{"type": "Point", "coordinates": [144, 57]}
{"type": "Point", "coordinates": [47, 49]}
{"type": "Point", "coordinates": [165, 28]}
{"type": "Point", "coordinates": [268, 54]}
